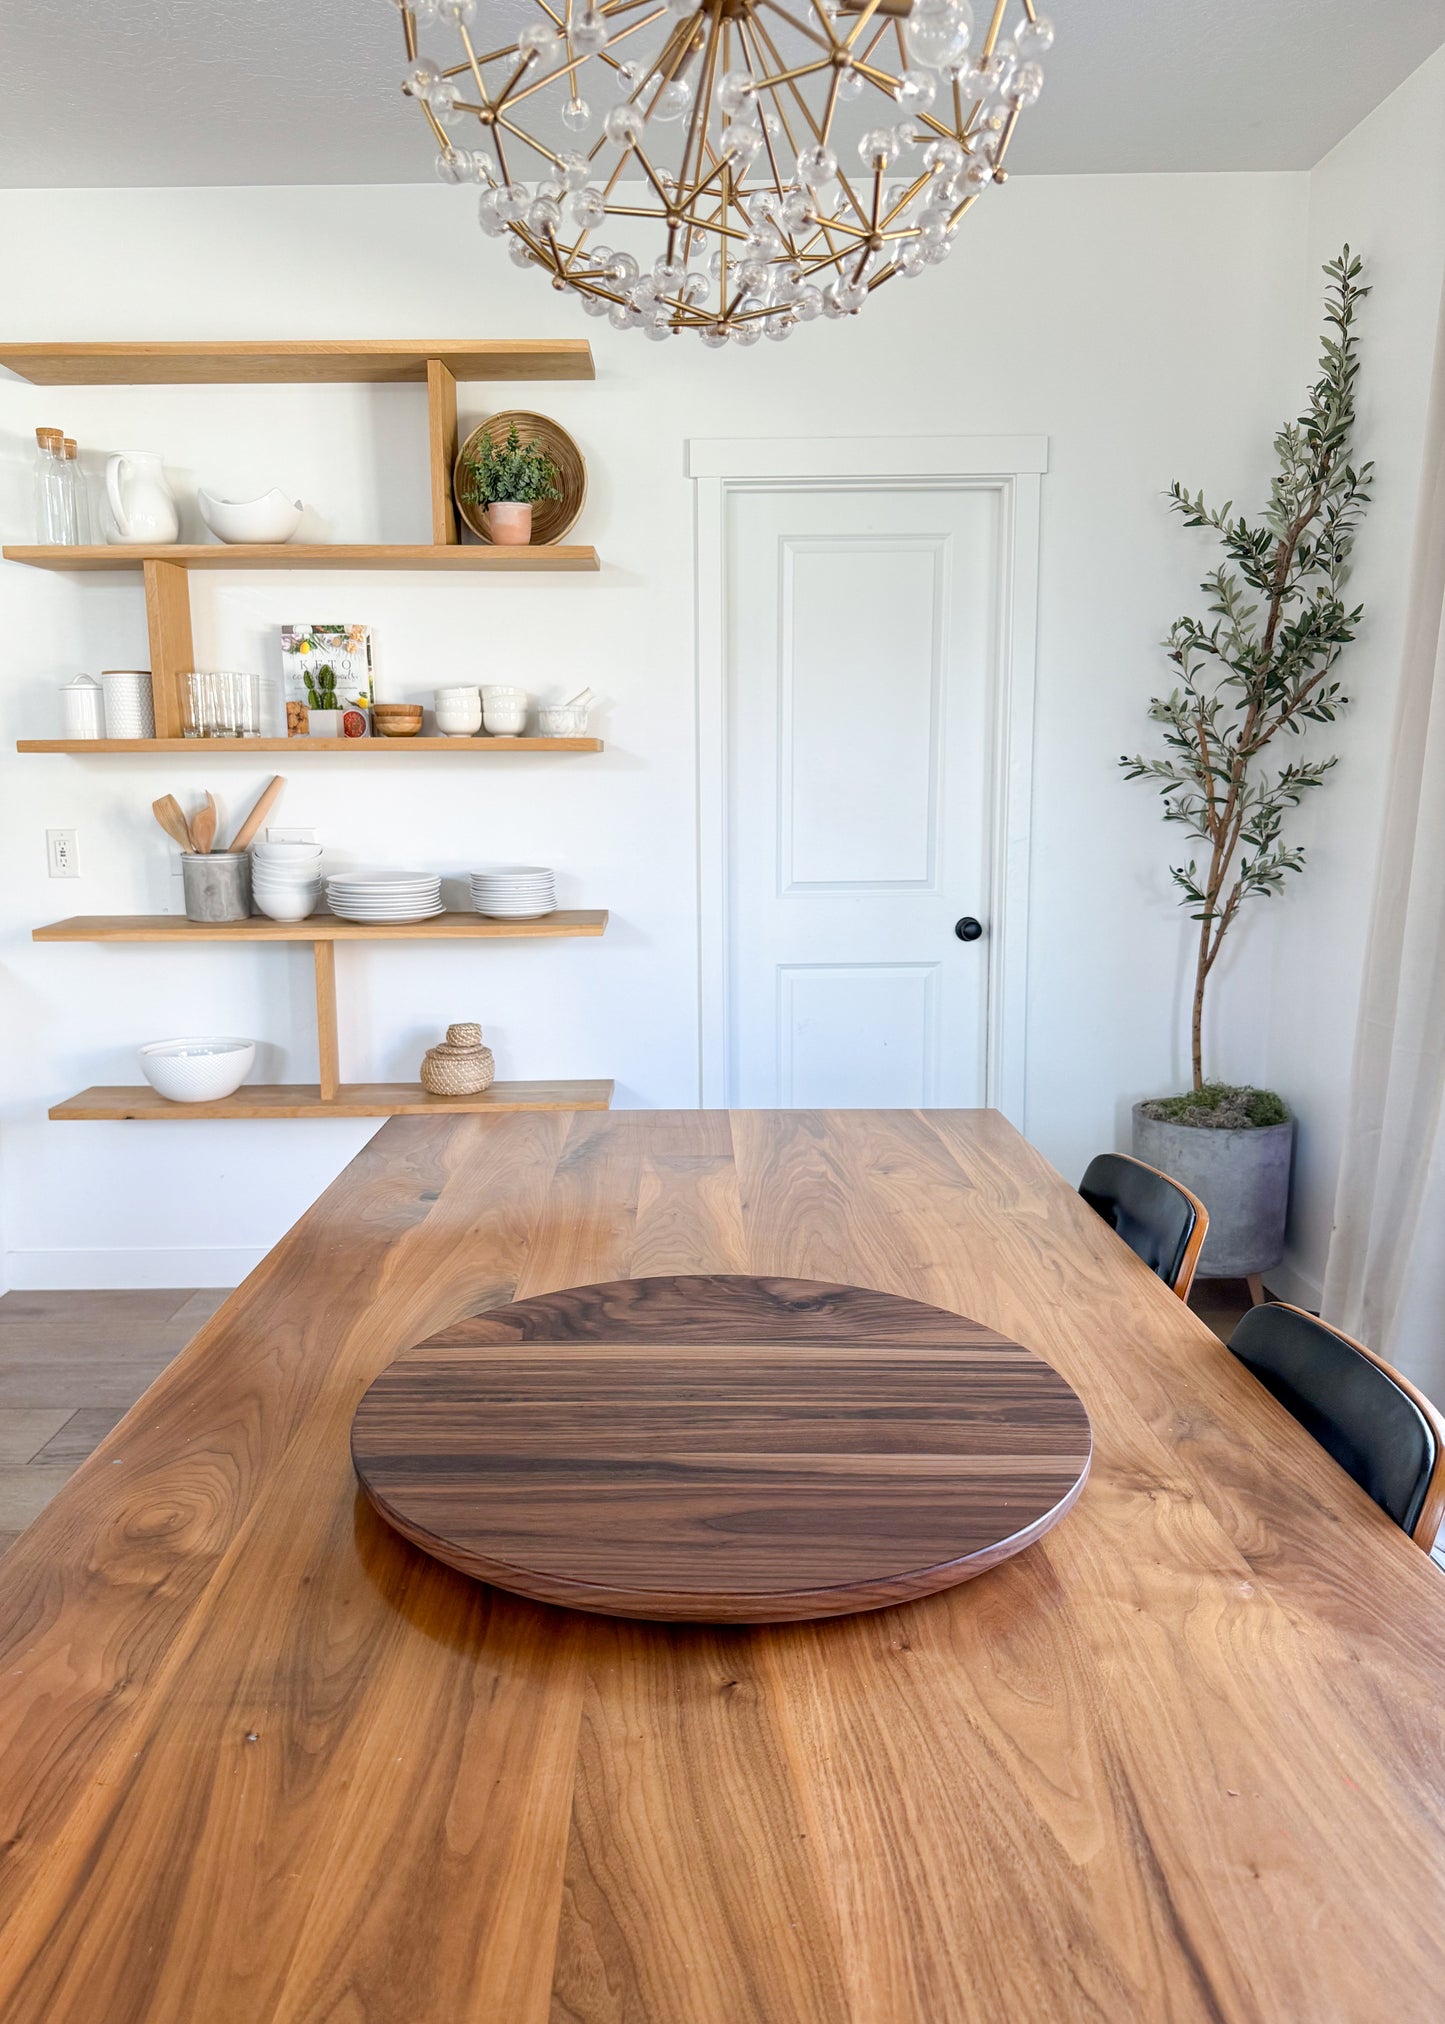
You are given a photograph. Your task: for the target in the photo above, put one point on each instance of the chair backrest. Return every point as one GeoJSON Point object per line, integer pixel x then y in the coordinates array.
{"type": "Point", "coordinates": [1370, 1418]}
{"type": "Point", "coordinates": [1157, 1218]}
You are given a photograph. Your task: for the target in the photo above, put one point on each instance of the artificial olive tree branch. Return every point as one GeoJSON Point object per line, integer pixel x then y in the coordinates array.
{"type": "Point", "coordinates": [1255, 669]}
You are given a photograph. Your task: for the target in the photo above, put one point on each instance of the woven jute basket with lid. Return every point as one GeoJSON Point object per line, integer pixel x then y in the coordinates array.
{"type": "Point", "coordinates": [460, 1066]}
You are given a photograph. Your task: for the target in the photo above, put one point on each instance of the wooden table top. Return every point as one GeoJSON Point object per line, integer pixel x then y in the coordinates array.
{"type": "Point", "coordinates": [721, 1448]}
{"type": "Point", "coordinates": [262, 1762]}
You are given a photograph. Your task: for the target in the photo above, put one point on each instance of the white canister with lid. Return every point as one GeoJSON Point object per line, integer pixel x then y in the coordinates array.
{"type": "Point", "coordinates": [129, 707]}
{"type": "Point", "coordinates": [82, 708]}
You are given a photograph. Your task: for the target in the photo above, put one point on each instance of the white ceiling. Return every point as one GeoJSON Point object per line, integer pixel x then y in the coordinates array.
{"type": "Point", "coordinates": [137, 92]}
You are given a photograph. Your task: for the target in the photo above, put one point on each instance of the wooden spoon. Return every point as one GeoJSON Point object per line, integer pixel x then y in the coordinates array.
{"type": "Point", "coordinates": [264, 805]}
{"type": "Point", "coordinates": [167, 812]}
{"type": "Point", "coordinates": [203, 825]}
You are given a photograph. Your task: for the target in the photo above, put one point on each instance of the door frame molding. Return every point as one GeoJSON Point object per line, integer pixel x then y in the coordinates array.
{"type": "Point", "coordinates": [1011, 466]}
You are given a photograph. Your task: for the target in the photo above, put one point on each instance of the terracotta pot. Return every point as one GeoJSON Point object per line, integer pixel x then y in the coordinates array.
{"type": "Point", "coordinates": [509, 523]}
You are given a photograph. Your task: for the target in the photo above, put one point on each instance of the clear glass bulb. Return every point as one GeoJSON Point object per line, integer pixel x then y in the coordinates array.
{"type": "Point", "coordinates": [588, 208]}
{"type": "Point", "coordinates": [778, 327]}
{"type": "Point", "coordinates": [619, 315]}
{"type": "Point", "coordinates": [593, 305]}
{"type": "Point", "coordinates": [850, 85]}
{"type": "Point", "coordinates": [878, 148]}
{"type": "Point", "coordinates": [540, 40]}
{"type": "Point", "coordinates": [451, 166]}
{"type": "Point", "coordinates": [817, 165]}
{"type": "Point", "coordinates": [1034, 38]}
{"type": "Point", "coordinates": [851, 296]}
{"type": "Point", "coordinates": [459, 13]}
{"type": "Point", "coordinates": [588, 32]}
{"type": "Point", "coordinates": [910, 259]}
{"type": "Point", "coordinates": [511, 201]}
{"type": "Point", "coordinates": [917, 89]}
{"type": "Point", "coordinates": [713, 336]}
{"type": "Point", "coordinates": [626, 78]}
{"type": "Point", "coordinates": [572, 171]}
{"type": "Point", "coordinates": [488, 216]}
{"type": "Point", "coordinates": [543, 215]}
{"type": "Point", "coordinates": [421, 77]}
{"type": "Point", "coordinates": [623, 126]}
{"type": "Point", "coordinates": [943, 155]}
{"type": "Point", "coordinates": [808, 303]}
{"type": "Point", "coordinates": [519, 254]}
{"type": "Point", "coordinates": [576, 115]}
{"type": "Point", "coordinates": [747, 333]}
{"type": "Point", "coordinates": [736, 93]}
{"type": "Point", "coordinates": [658, 329]}
{"type": "Point", "coordinates": [442, 100]}
{"type": "Point", "coordinates": [668, 276]}
{"type": "Point", "coordinates": [1024, 86]}
{"type": "Point", "coordinates": [672, 99]}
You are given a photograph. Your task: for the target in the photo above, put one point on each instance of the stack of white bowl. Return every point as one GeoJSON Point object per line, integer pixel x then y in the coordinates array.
{"type": "Point", "coordinates": [514, 892]}
{"type": "Point", "coordinates": [385, 895]}
{"type": "Point", "coordinates": [286, 879]}
{"type": "Point", "coordinates": [504, 710]}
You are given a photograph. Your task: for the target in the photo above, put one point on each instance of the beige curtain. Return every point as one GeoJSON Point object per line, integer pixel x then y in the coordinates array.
{"type": "Point", "coordinates": [1385, 1281]}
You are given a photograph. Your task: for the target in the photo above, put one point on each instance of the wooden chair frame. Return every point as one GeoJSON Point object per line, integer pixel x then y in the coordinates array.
{"type": "Point", "coordinates": [1184, 1277]}
{"type": "Point", "coordinates": [1432, 1511]}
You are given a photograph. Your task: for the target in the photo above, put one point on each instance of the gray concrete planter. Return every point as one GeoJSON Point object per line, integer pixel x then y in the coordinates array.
{"type": "Point", "coordinates": [1242, 1178]}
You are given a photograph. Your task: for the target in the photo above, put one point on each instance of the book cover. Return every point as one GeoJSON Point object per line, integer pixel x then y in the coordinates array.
{"type": "Point", "coordinates": [326, 667]}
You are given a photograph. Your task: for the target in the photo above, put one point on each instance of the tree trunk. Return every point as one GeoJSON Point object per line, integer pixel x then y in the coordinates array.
{"type": "Point", "coordinates": [1196, 1030]}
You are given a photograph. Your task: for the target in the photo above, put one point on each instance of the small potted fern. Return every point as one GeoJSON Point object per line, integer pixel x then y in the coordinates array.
{"type": "Point", "coordinates": [508, 480]}
{"type": "Point", "coordinates": [1261, 666]}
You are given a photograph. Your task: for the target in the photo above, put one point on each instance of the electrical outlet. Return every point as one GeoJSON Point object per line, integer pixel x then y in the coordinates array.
{"type": "Point", "coordinates": [285, 834]}
{"type": "Point", "coordinates": [62, 854]}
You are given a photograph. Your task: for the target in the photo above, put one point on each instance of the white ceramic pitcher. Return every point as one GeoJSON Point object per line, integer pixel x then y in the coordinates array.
{"type": "Point", "coordinates": [141, 503]}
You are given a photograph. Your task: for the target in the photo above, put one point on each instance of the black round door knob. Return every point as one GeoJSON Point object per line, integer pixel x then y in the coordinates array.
{"type": "Point", "coordinates": [968, 929]}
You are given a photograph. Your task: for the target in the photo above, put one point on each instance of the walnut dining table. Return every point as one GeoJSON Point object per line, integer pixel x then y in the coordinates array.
{"type": "Point", "coordinates": [264, 1762]}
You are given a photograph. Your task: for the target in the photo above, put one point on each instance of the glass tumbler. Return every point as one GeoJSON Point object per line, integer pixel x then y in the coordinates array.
{"type": "Point", "coordinates": [220, 703]}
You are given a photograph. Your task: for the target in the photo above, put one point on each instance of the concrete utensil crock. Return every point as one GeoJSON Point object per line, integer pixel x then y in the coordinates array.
{"type": "Point", "coordinates": [218, 887]}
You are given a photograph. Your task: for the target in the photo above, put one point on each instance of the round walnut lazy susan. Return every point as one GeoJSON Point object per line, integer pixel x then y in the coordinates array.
{"type": "Point", "coordinates": [721, 1449]}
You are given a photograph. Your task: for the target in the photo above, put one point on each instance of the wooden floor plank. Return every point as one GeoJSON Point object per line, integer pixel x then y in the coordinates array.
{"type": "Point", "coordinates": [25, 1430]}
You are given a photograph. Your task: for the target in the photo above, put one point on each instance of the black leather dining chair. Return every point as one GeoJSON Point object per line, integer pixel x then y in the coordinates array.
{"type": "Point", "coordinates": [1375, 1423]}
{"type": "Point", "coordinates": [1158, 1218]}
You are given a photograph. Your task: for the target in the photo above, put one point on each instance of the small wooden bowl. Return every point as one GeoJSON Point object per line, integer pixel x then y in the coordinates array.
{"type": "Point", "coordinates": [396, 720]}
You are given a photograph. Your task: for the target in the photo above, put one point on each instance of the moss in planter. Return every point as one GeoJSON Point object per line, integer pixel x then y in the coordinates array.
{"type": "Point", "coordinates": [1220, 1106]}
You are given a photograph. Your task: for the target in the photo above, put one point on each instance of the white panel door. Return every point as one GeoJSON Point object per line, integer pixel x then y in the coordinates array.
{"type": "Point", "coordinates": [860, 665]}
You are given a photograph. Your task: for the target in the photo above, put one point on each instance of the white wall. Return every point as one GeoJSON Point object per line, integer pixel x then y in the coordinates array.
{"type": "Point", "coordinates": [1383, 190]}
{"type": "Point", "coordinates": [1146, 325]}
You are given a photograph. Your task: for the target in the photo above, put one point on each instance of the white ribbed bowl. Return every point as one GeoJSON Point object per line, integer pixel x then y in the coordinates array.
{"type": "Point", "coordinates": [196, 1069]}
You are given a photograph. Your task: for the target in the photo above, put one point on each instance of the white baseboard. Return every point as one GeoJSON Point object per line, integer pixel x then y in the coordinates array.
{"type": "Point", "coordinates": [130, 1269]}
{"type": "Point", "coordinates": [1287, 1282]}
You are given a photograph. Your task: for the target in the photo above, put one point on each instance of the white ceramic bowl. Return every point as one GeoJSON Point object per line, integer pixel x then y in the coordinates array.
{"type": "Point", "coordinates": [503, 692]}
{"type": "Point", "coordinates": [272, 517]}
{"type": "Point", "coordinates": [196, 1070]}
{"type": "Point", "coordinates": [292, 904]}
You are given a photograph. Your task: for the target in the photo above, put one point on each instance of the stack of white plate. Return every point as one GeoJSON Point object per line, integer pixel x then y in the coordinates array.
{"type": "Point", "coordinates": [286, 879]}
{"type": "Point", "coordinates": [514, 892]}
{"type": "Point", "coordinates": [385, 895]}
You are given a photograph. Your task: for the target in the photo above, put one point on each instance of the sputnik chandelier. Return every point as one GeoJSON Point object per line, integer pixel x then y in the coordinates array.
{"type": "Point", "coordinates": [761, 162]}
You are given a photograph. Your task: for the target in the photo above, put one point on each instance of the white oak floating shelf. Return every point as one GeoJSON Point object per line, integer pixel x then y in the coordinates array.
{"type": "Point", "coordinates": [454, 557]}
{"type": "Point", "coordinates": [108, 1103]}
{"type": "Point", "coordinates": [319, 928]}
{"type": "Point", "coordinates": [298, 748]}
{"type": "Point", "coordinates": [329, 1096]}
{"type": "Point", "coordinates": [297, 362]}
